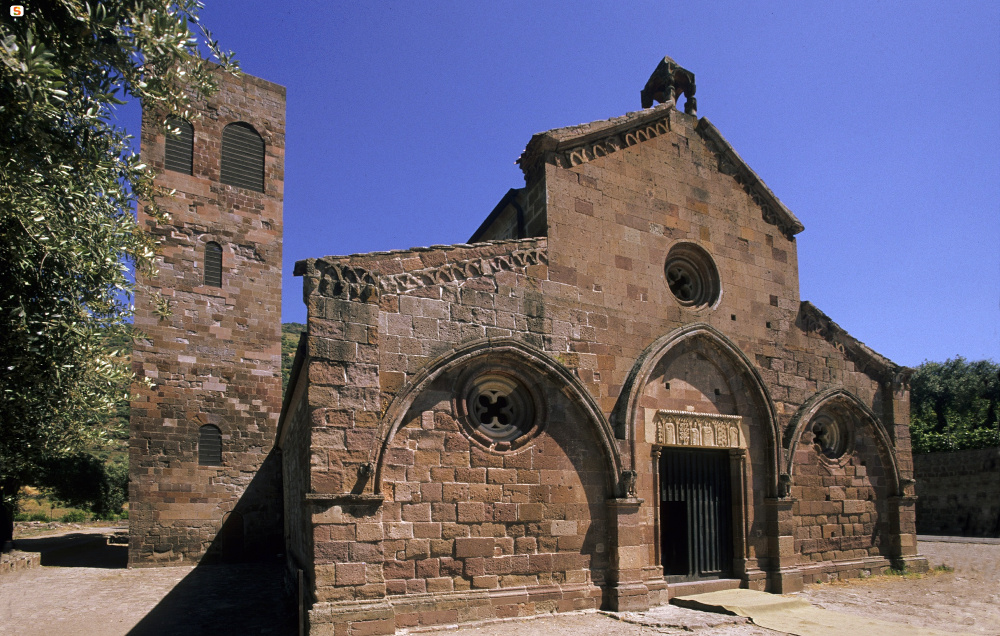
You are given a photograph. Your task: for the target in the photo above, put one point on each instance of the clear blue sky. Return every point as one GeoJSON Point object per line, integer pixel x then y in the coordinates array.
{"type": "Point", "coordinates": [876, 123]}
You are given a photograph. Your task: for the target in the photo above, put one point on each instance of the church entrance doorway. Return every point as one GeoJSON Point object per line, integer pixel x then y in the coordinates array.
{"type": "Point", "coordinates": [696, 514]}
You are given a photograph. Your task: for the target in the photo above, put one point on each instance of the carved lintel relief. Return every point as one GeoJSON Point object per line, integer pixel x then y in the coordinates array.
{"type": "Point", "coordinates": [685, 428]}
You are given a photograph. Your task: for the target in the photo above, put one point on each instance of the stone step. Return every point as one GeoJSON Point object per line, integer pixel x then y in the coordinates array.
{"type": "Point", "coordinates": [689, 588]}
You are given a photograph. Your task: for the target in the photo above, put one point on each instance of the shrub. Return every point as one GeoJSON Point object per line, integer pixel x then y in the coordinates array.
{"type": "Point", "coordinates": [74, 516]}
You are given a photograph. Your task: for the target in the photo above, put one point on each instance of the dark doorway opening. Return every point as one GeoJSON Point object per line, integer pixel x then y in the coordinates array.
{"type": "Point", "coordinates": [696, 514]}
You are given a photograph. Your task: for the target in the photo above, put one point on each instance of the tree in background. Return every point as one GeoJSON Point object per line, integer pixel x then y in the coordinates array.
{"type": "Point", "coordinates": [69, 182]}
{"type": "Point", "coordinates": [290, 332]}
{"type": "Point", "coordinates": [955, 405]}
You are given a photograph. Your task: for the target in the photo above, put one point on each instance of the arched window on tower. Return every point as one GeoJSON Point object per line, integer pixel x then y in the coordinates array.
{"type": "Point", "coordinates": [209, 446]}
{"type": "Point", "coordinates": [213, 264]}
{"type": "Point", "coordinates": [242, 157]}
{"type": "Point", "coordinates": [179, 145]}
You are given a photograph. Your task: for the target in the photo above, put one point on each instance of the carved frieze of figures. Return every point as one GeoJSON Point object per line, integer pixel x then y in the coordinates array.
{"type": "Point", "coordinates": [683, 428]}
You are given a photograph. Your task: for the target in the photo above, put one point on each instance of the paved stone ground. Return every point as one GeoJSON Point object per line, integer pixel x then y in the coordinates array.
{"type": "Point", "coordinates": [84, 589]}
{"type": "Point", "coordinates": [81, 590]}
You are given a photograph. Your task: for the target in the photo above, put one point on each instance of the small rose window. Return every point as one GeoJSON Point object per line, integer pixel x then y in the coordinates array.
{"type": "Point", "coordinates": [500, 407]}
{"type": "Point", "coordinates": [692, 276]}
{"type": "Point", "coordinates": [500, 404]}
{"type": "Point", "coordinates": [830, 436]}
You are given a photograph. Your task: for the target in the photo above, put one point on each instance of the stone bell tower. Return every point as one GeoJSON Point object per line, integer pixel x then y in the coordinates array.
{"type": "Point", "coordinates": [202, 478]}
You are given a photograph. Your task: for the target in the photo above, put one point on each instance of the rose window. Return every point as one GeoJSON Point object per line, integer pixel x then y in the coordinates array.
{"type": "Point", "coordinates": [692, 276]}
{"type": "Point", "coordinates": [500, 407]}
{"type": "Point", "coordinates": [830, 436]}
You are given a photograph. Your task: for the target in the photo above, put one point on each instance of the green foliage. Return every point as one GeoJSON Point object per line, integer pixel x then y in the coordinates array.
{"type": "Point", "coordinates": [69, 182]}
{"type": "Point", "coordinates": [75, 516]}
{"type": "Point", "coordinates": [290, 332]}
{"type": "Point", "coordinates": [86, 481]}
{"type": "Point", "coordinates": [954, 405]}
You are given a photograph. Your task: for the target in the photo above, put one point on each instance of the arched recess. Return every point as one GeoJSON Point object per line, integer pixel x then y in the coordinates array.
{"type": "Point", "coordinates": [864, 415]}
{"type": "Point", "coordinates": [483, 350]}
{"type": "Point", "coordinates": [626, 412]}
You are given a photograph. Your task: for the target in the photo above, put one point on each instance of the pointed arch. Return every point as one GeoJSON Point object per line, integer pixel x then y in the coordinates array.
{"type": "Point", "coordinates": [865, 416]}
{"type": "Point", "coordinates": [504, 349]}
{"type": "Point", "coordinates": [625, 413]}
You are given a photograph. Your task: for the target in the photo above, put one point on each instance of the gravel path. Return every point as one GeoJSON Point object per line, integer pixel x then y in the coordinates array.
{"type": "Point", "coordinates": [102, 600]}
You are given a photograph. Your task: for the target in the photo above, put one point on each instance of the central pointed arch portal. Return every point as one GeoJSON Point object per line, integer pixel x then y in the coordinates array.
{"type": "Point", "coordinates": [696, 406]}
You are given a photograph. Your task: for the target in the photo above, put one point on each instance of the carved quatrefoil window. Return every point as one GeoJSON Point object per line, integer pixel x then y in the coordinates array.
{"type": "Point", "coordinates": [500, 407]}
{"type": "Point", "coordinates": [692, 276]}
{"type": "Point", "coordinates": [830, 436]}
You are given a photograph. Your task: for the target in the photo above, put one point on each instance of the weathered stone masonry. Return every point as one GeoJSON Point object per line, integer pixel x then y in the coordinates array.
{"type": "Point", "coordinates": [612, 394]}
{"type": "Point", "coordinates": [491, 429]}
{"type": "Point", "coordinates": [212, 354]}
{"type": "Point", "coordinates": [959, 492]}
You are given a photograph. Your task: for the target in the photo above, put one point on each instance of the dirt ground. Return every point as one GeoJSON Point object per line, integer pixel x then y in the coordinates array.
{"type": "Point", "coordinates": [965, 600]}
{"type": "Point", "coordinates": [85, 592]}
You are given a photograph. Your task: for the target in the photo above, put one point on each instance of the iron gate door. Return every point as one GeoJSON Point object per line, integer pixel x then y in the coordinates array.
{"type": "Point", "coordinates": [695, 514]}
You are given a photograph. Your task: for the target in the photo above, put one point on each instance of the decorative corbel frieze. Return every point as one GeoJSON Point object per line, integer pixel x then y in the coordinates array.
{"type": "Point", "coordinates": [455, 271]}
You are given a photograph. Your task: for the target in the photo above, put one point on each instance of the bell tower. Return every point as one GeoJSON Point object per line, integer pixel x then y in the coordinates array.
{"type": "Point", "coordinates": [202, 478]}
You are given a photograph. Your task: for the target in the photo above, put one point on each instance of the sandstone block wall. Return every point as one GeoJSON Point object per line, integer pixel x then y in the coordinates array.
{"type": "Point", "coordinates": [211, 354]}
{"type": "Point", "coordinates": [415, 521]}
{"type": "Point", "coordinates": [958, 493]}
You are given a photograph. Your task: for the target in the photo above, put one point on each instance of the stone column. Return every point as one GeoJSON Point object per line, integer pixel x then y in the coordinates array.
{"type": "Point", "coordinates": [903, 534]}
{"type": "Point", "coordinates": [627, 591]}
{"type": "Point", "coordinates": [783, 572]}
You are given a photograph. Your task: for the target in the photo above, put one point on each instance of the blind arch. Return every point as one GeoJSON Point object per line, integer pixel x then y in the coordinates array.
{"type": "Point", "coordinates": [242, 162]}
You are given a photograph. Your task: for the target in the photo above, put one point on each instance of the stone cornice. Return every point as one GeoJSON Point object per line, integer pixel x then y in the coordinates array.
{"type": "Point", "coordinates": [730, 162]}
{"type": "Point", "coordinates": [462, 270]}
{"type": "Point", "coordinates": [811, 320]}
{"type": "Point", "coordinates": [340, 277]}
{"type": "Point", "coordinates": [573, 145]}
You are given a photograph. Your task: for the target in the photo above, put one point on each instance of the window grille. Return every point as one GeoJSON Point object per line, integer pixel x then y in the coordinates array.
{"type": "Point", "coordinates": [209, 446]}
{"type": "Point", "coordinates": [213, 264]}
{"type": "Point", "coordinates": [242, 157]}
{"type": "Point", "coordinates": [179, 147]}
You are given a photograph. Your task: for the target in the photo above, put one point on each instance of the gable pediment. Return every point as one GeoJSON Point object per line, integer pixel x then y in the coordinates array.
{"type": "Point", "coordinates": [574, 145]}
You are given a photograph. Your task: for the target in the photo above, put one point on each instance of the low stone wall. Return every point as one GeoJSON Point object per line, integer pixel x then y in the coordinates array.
{"type": "Point", "coordinates": [12, 561]}
{"type": "Point", "coordinates": [958, 493]}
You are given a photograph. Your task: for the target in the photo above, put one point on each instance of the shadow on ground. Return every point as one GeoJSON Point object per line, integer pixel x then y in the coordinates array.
{"type": "Point", "coordinates": [238, 598]}
{"type": "Point", "coordinates": [77, 550]}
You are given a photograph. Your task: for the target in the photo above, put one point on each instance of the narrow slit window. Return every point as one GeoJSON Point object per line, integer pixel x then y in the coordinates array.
{"type": "Point", "coordinates": [213, 264]}
{"type": "Point", "coordinates": [242, 157]}
{"type": "Point", "coordinates": [209, 446]}
{"type": "Point", "coordinates": [179, 145]}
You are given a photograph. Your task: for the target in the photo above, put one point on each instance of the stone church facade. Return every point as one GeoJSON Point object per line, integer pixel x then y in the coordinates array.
{"type": "Point", "coordinates": [611, 395]}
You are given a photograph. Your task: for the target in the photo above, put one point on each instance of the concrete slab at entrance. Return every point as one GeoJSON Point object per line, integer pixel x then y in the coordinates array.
{"type": "Point", "coordinates": [793, 615]}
